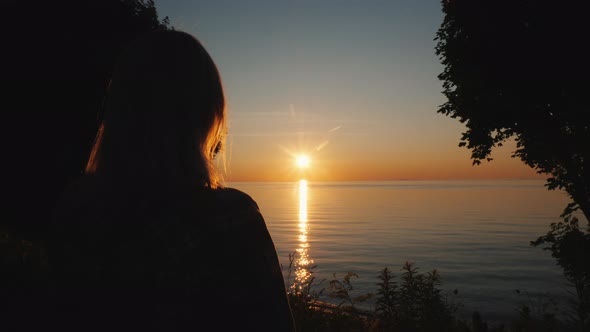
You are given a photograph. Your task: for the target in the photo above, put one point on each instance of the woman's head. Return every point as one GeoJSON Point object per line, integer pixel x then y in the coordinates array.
{"type": "Point", "coordinates": [165, 112]}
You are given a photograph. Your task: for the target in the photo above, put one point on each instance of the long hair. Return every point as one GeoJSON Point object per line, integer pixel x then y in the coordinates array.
{"type": "Point", "coordinates": [165, 113]}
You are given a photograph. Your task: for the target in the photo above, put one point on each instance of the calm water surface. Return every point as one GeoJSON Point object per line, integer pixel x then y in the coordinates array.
{"type": "Point", "coordinates": [476, 233]}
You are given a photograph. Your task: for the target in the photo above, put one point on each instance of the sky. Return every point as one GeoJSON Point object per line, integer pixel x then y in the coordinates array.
{"type": "Point", "coordinates": [350, 83]}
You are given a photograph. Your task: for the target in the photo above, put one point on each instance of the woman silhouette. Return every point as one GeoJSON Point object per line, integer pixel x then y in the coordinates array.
{"type": "Point", "coordinates": [147, 238]}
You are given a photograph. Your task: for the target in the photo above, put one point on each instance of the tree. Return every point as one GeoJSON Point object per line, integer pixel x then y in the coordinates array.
{"type": "Point", "coordinates": [57, 58]}
{"type": "Point", "coordinates": [518, 69]}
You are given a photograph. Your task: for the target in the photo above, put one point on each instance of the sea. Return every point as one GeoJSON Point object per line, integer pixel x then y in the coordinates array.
{"type": "Point", "coordinates": [475, 233]}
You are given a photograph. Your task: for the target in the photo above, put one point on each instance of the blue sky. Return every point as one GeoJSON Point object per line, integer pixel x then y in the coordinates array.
{"type": "Point", "coordinates": [351, 83]}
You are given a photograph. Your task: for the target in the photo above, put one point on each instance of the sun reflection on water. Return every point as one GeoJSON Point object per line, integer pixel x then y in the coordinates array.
{"type": "Point", "coordinates": [303, 261]}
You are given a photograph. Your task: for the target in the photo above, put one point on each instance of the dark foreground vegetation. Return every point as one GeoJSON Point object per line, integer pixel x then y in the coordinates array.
{"type": "Point", "coordinates": [404, 300]}
{"type": "Point", "coordinates": [414, 301]}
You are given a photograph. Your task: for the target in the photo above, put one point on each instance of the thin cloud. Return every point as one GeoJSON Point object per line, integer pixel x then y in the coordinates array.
{"type": "Point", "coordinates": [259, 114]}
{"type": "Point", "coordinates": [322, 145]}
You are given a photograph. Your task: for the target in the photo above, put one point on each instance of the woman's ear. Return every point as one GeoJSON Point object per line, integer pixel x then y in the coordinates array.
{"type": "Point", "coordinates": [217, 148]}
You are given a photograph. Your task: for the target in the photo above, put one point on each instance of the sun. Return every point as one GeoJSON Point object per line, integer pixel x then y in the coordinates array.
{"type": "Point", "coordinates": [302, 161]}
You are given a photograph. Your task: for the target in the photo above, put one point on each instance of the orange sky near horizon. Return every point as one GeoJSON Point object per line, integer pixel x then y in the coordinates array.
{"type": "Point", "coordinates": [353, 84]}
{"type": "Point", "coordinates": [356, 166]}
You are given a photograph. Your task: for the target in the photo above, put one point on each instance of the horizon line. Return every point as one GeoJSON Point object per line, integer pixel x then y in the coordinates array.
{"type": "Point", "coordinates": [401, 179]}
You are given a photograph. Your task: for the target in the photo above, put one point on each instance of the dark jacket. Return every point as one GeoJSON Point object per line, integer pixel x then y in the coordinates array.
{"type": "Point", "coordinates": [156, 257]}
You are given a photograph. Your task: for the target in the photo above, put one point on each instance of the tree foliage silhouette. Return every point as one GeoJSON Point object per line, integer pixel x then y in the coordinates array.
{"type": "Point", "coordinates": [570, 246]}
{"type": "Point", "coordinates": [57, 60]}
{"type": "Point", "coordinates": [518, 69]}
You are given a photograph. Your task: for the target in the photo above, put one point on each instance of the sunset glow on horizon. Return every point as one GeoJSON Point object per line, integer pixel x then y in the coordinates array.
{"type": "Point", "coordinates": [353, 85]}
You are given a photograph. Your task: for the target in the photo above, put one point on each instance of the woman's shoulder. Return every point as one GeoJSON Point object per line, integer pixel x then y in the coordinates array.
{"type": "Point", "coordinates": [234, 197]}
{"type": "Point", "coordinates": [90, 196]}
{"type": "Point", "coordinates": [235, 207]}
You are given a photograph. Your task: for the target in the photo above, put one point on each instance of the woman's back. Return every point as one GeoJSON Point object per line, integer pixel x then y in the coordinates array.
{"type": "Point", "coordinates": [157, 257]}
{"type": "Point", "coordinates": [147, 239]}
